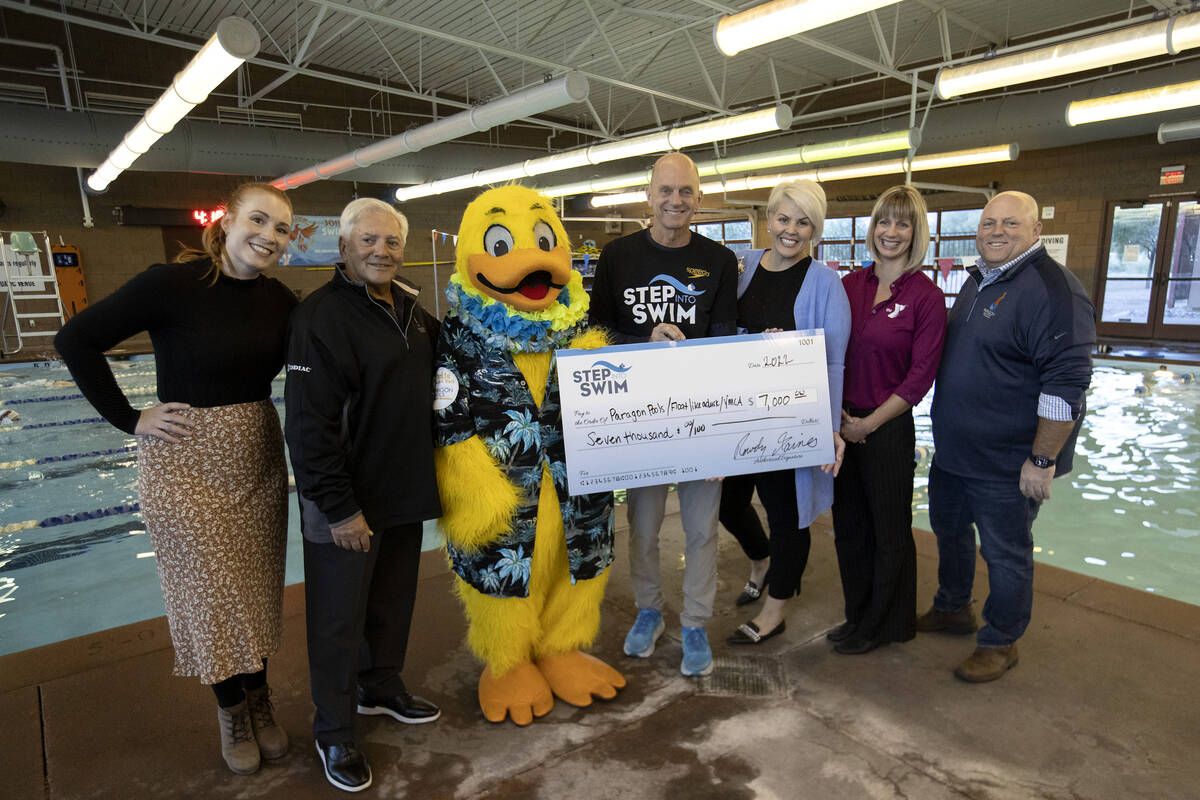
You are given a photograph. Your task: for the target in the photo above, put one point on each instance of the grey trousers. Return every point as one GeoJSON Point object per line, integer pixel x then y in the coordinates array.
{"type": "Point", "coordinates": [698, 503]}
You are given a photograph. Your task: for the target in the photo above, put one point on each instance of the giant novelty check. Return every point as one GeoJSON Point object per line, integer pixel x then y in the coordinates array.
{"type": "Point", "coordinates": [645, 414]}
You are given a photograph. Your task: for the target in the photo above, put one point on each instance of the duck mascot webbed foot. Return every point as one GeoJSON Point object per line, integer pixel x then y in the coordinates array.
{"type": "Point", "coordinates": [530, 561]}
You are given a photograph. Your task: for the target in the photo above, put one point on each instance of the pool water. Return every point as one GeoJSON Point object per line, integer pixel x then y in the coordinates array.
{"type": "Point", "coordinates": [1127, 511]}
{"type": "Point", "coordinates": [82, 574]}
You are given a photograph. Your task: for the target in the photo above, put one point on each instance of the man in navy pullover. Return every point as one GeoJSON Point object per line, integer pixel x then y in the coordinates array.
{"type": "Point", "coordinates": [1007, 407]}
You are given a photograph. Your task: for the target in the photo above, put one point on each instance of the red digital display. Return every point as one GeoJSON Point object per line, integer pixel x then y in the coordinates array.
{"type": "Point", "coordinates": [205, 216]}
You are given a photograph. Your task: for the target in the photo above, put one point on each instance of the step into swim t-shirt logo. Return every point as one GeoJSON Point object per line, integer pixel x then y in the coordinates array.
{"type": "Point", "coordinates": [665, 299]}
{"type": "Point", "coordinates": [602, 377]}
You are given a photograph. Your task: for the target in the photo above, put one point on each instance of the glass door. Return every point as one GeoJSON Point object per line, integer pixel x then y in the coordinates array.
{"type": "Point", "coordinates": [1178, 314]}
{"type": "Point", "coordinates": [1151, 283]}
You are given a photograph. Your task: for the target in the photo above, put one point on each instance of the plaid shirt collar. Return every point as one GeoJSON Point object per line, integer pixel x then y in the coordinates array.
{"type": "Point", "coordinates": [990, 276]}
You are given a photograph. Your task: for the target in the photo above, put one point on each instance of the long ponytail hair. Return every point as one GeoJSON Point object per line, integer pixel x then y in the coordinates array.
{"type": "Point", "coordinates": [213, 239]}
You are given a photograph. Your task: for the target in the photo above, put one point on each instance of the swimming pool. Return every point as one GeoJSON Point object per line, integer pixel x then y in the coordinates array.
{"type": "Point", "coordinates": [74, 554]}
{"type": "Point", "coordinates": [1125, 514]}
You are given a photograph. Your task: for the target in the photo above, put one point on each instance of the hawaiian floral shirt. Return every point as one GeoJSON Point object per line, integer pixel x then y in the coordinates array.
{"type": "Point", "coordinates": [494, 403]}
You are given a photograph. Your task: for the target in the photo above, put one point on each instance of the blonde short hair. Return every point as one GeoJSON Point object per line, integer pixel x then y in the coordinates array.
{"type": "Point", "coordinates": [364, 205]}
{"type": "Point", "coordinates": [809, 197]}
{"type": "Point", "coordinates": [906, 204]}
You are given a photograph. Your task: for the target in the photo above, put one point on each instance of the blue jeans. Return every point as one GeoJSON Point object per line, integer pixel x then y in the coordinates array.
{"type": "Point", "coordinates": [1004, 516]}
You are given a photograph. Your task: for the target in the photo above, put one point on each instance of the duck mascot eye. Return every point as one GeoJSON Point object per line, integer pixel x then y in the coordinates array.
{"type": "Point", "coordinates": [531, 561]}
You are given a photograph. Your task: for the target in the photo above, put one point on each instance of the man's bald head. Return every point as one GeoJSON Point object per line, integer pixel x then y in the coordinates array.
{"type": "Point", "coordinates": [1008, 226]}
{"type": "Point", "coordinates": [676, 161]}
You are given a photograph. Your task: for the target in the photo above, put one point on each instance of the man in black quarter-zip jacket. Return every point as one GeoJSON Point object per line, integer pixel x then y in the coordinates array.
{"type": "Point", "coordinates": [1007, 407]}
{"type": "Point", "coordinates": [359, 431]}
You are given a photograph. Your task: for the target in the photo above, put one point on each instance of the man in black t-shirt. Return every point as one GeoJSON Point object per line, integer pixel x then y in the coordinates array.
{"type": "Point", "coordinates": [668, 283]}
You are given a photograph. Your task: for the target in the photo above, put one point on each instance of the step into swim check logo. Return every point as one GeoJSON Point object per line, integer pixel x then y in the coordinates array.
{"type": "Point", "coordinates": [603, 377]}
{"type": "Point", "coordinates": [664, 299]}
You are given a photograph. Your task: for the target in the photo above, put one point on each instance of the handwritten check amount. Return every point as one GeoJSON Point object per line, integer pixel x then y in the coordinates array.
{"type": "Point", "coordinates": [646, 414]}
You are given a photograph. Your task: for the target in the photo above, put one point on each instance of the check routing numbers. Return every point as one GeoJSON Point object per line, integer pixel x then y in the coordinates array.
{"type": "Point", "coordinates": [639, 415]}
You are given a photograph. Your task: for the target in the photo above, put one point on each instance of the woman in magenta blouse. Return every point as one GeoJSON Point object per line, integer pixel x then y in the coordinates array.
{"type": "Point", "coordinates": [898, 321]}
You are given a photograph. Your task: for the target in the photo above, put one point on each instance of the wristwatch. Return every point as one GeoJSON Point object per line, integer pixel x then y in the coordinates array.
{"type": "Point", "coordinates": [1041, 462]}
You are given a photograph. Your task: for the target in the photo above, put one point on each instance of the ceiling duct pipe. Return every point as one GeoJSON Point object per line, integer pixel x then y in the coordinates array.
{"type": "Point", "coordinates": [570, 88]}
{"type": "Point", "coordinates": [1178, 131]}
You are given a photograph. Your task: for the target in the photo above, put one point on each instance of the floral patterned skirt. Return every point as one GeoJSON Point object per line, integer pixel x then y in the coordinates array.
{"type": "Point", "coordinates": [215, 506]}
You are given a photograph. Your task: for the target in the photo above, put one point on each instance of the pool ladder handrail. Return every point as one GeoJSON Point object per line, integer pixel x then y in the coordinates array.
{"type": "Point", "coordinates": [10, 307]}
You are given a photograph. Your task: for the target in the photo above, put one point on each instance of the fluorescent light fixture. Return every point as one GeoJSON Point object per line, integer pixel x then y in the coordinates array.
{"type": "Point", "coordinates": [234, 41]}
{"type": "Point", "coordinates": [1166, 36]}
{"type": "Point", "coordinates": [825, 151]}
{"type": "Point", "coordinates": [776, 118]}
{"type": "Point", "coordinates": [564, 90]}
{"type": "Point", "coordinates": [966, 158]}
{"type": "Point", "coordinates": [1178, 131]}
{"type": "Point", "coordinates": [783, 18]}
{"type": "Point", "coordinates": [891, 166]}
{"type": "Point", "coordinates": [1131, 104]}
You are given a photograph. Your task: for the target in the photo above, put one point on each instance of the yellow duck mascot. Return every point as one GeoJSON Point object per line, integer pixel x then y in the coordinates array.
{"type": "Point", "coordinates": [531, 561]}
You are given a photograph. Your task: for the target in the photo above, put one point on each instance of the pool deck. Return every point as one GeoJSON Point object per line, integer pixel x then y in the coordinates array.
{"type": "Point", "coordinates": [1103, 704]}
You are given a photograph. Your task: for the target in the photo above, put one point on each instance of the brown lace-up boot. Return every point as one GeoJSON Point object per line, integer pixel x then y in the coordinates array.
{"type": "Point", "coordinates": [237, 739]}
{"type": "Point", "coordinates": [272, 738]}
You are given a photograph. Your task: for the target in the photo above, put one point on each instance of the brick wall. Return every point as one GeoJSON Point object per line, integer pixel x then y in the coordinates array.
{"type": "Point", "coordinates": [42, 198]}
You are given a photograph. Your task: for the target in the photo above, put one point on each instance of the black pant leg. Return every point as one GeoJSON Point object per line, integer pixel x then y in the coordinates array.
{"type": "Point", "coordinates": [888, 467]}
{"type": "Point", "coordinates": [739, 517]}
{"type": "Point", "coordinates": [853, 531]}
{"type": "Point", "coordinates": [336, 586]}
{"type": "Point", "coordinates": [390, 602]}
{"type": "Point", "coordinates": [790, 544]}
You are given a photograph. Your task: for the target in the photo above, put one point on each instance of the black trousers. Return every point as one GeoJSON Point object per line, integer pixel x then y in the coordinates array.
{"type": "Point", "coordinates": [789, 544]}
{"type": "Point", "coordinates": [358, 607]}
{"type": "Point", "coordinates": [872, 522]}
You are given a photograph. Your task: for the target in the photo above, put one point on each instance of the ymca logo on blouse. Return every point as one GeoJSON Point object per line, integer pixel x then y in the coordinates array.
{"type": "Point", "coordinates": [896, 309]}
{"type": "Point", "coordinates": [990, 311]}
{"type": "Point", "coordinates": [603, 377]}
{"type": "Point", "coordinates": [665, 299]}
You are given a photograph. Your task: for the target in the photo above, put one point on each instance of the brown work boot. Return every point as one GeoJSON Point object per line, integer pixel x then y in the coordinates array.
{"type": "Point", "coordinates": [959, 623]}
{"type": "Point", "coordinates": [987, 664]}
{"type": "Point", "coordinates": [272, 739]}
{"type": "Point", "coordinates": [237, 739]}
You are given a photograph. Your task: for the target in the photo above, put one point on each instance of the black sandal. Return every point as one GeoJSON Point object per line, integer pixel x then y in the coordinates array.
{"type": "Point", "coordinates": [751, 593]}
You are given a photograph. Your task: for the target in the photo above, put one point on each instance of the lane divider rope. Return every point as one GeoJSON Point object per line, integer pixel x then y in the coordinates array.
{"type": "Point", "coordinates": [81, 516]}
{"type": "Point", "coordinates": [56, 397]}
{"type": "Point", "coordinates": [32, 462]}
{"type": "Point", "coordinates": [88, 420]}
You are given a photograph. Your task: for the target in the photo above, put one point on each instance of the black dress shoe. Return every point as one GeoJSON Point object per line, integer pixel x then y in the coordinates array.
{"type": "Point", "coordinates": [855, 645]}
{"type": "Point", "coordinates": [345, 766]}
{"type": "Point", "coordinates": [841, 633]}
{"type": "Point", "coordinates": [401, 706]}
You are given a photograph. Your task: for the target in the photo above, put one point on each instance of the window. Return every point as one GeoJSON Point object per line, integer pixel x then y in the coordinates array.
{"type": "Point", "coordinates": [734, 233]}
{"type": "Point", "coordinates": [951, 235]}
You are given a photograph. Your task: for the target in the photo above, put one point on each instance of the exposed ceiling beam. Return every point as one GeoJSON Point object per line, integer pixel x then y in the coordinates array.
{"type": "Point", "coordinates": [833, 50]}
{"type": "Point", "coordinates": [137, 33]}
{"type": "Point", "coordinates": [506, 52]}
{"type": "Point", "coordinates": [988, 35]}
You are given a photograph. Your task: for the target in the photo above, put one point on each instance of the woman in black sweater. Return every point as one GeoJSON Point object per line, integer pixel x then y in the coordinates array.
{"type": "Point", "coordinates": [211, 474]}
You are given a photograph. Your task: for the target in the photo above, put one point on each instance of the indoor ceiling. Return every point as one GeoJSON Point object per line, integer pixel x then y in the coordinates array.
{"type": "Point", "coordinates": [650, 63]}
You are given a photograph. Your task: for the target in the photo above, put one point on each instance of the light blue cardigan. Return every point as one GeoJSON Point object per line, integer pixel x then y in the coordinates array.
{"type": "Point", "coordinates": [821, 303]}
